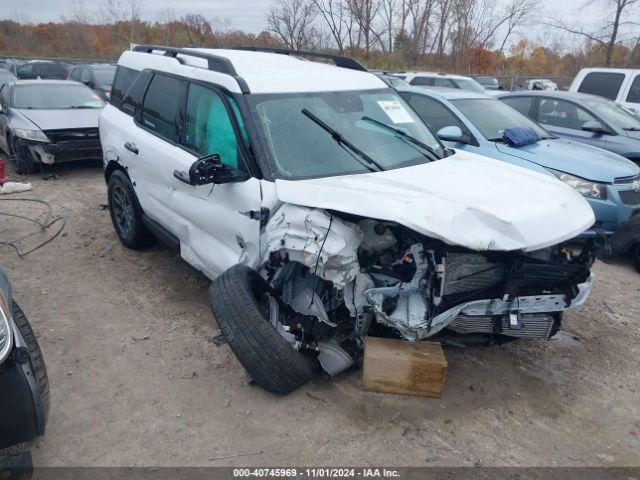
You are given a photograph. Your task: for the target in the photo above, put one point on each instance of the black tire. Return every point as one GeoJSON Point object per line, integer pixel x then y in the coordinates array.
{"type": "Point", "coordinates": [126, 214]}
{"type": "Point", "coordinates": [635, 257]}
{"type": "Point", "coordinates": [270, 360]}
{"type": "Point", "coordinates": [37, 360]}
{"type": "Point", "coordinates": [21, 165]}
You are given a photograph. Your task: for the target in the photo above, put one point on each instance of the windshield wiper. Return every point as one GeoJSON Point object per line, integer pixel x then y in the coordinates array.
{"type": "Point", "coordinates": [81, 107]}
{"type": "Point", "coordinates": [405, 136]}
{"type": "Point", "coordinates": [362, 157]}
{"type": "Point", "coordinates": [631, 129]}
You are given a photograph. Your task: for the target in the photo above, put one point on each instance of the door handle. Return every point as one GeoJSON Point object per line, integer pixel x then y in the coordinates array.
{"type": "Point", "coordinates": [131, 147]}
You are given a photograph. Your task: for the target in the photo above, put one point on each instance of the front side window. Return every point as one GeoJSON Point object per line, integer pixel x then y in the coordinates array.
{"type": "Point", "coordinates": [160, 106]}
{"type": "Point", "coordinates": [43, 96]}
{"type": "Point", "coordinates": [433, 113]}
{"type": "Point", "coordinates": [300, 148]}
{"type": "Point", "coordinates": [603, 84]}
{"type": "Point", "coordinates": [612, 113]}
{"type": "Point", "coordinates": [492, 117]}
{"type": "Point", "coordinates": [209, 129]}
{"type": "Point", "coordinates": [562, 114]}
{"type": "Point", "coordinates": [634, 91]}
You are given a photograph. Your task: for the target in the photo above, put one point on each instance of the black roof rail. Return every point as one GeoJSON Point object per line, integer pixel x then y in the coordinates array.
{"type": "Point", "coordinates": [340, 61]}
{"type": "Point", "coordinates": [215, 63]}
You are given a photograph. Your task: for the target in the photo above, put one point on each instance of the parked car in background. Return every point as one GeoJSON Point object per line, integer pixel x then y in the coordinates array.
{"type": "Point", "coordinates": [428, 79]}
{"type": "Point", "coordinates": [392, 80]}
{"type": "Point", "coordinates": [48, 121]}
{"type": "Point", "coordinates": [539, 84]}
{"type": "Point", "coordinates": [42, 69]}
{"type": "Point", "coordinates": [488, 82]}
{"type": "Point", "coordinates": [325, 210]}
{"type": "Point", "coordinates": [6, 77]}
{"type": "Point", "coordinates": [583, 118]}
{"type": "Point", "coordinates": [621, 85]}
{"type": "Point", "coordinates": [97, 77]}
{"type": "Point", "coordinates": [476, 123]}
{"type": "Point", "coordinates": [24, 384]}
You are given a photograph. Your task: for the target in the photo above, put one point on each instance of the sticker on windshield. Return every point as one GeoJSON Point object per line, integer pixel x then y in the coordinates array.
{"type": "Point", "coordinates": [395, 111]}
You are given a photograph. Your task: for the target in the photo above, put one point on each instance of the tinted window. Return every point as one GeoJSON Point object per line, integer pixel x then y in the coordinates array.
{"type": "Point", "coordinates": [522, 104]}
{"type": "Point", "coordinates": [209, 128]}
{"type": "Point", "coordinates": [133, 95]}
{"type": "Point", "coordinates": [421, 81]}
{"type": "Point", "coordinates": [433, 113]}
{"type": "Point", "coordinates": [634, 91]}
{"type": "Point", "coordinates": [51, 70]}
{"type": "Point", "coordinates": [160, 106]}
{"type": "Point", "coordinates": [562, 114]}
{"type": "Point", "coordinates": [123, 80]}
{"type": "Point", "coordinates": [601, 83]}
{"type": "Point", "coordinates": [443, 82]}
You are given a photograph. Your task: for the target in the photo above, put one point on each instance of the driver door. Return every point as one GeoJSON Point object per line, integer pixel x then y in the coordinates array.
{"type": "Point", "coordinates": [214, 223]}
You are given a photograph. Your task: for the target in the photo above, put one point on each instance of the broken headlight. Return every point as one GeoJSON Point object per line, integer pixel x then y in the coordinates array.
{"type": "Point", "coordinates": [33, 135]}
{"type": "Point", "coordinates": [6, 338]}
{"type": "Point", "coordinates": [584, 187]}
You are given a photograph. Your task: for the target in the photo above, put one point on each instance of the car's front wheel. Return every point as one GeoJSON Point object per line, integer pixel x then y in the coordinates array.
{"type": "Point", "coordinates": [22, 164]}
{"type": "Point", "coordinates": [126, 214]}
{"type": "Point", "coordinates": [240, 301]}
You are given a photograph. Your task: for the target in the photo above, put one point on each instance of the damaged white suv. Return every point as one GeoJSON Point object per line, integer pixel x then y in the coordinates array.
{"type": "Point", "coordinates": [325, 210]}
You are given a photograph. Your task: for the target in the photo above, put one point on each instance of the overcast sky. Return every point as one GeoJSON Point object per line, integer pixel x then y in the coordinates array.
{"type": "Point", "coordinates": [249, 15]}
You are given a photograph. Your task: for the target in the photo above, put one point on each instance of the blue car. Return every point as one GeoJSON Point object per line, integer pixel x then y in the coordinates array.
{"type": "Point", "coordinates": [476, 123]}
{"type": "Point", "coordinates": [582, 117]}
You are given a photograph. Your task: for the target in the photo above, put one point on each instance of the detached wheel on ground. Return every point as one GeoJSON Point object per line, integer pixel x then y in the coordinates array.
{"type": "Point", "coordinates": [22, 164]}
{"type": "Point", "coordinates": [271, 361]}
{"type": "Point", "coordinates": [126, 214]}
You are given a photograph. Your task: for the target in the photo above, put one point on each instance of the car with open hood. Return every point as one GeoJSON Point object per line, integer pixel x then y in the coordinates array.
{"type": "Point", "coordinates": [48, 121]}
{"type": "Point", "coordinates": [24, 385]}
{"type": "Point", "coordinates": [325, 211]}
{"type": "Point", "coordinates": [477, 123]}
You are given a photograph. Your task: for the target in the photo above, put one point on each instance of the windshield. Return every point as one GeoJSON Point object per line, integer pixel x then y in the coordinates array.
{"type": "Point", "coordinates": [492, 117]}
{"type": "Point", "coordinates": [469, 84]}
{"type": "Point", "coordinates": [612, 113]}
{"type": "Point", "coordinates": [104, 76]}
{"type": "Point", "coordinates": [54, 96]}
{"type": "Point", "coordinates": [300, 148]}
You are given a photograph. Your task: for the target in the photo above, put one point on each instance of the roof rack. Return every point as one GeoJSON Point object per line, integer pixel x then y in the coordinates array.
{"type": "Point", "coordinates": [215, 63]}
{"type": "Point", "coordinates": [340, 61]}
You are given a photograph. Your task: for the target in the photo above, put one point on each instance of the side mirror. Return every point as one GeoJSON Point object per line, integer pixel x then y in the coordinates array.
{"type": "Point", "coordinates": [209, 169]}
{"type": "Point", "coordinates": [593, 126]}
{"type": "Point", "coordinates": [451, 134]}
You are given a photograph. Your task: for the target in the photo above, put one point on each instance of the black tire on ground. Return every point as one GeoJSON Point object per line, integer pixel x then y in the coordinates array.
{"type": "Point", "coordinates": [635, 252]}
{"type": "Point", "coordinates": [37, 360]}
{"type": "Point", "coordinates": [21, 165]}
{"type": "Point", "coordinates": [270, 360]}
{"type": "Point", "coordinates": [126, 213]}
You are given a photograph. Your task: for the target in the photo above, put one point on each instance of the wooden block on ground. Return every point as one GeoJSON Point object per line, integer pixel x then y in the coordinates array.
{"type": "Point", "coordinates": [402, 367]}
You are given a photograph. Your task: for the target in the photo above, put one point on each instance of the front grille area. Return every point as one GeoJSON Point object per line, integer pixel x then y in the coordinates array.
{"type": "Point", "coordinates": [630, 197]}
{"type": "Point", "coordinates": [532, 325]}
{"type": "Point", "coordinates": [73, 135]}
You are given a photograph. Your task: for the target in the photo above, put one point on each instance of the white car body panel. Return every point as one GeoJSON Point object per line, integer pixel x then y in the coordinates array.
{"type": "Point", "coordinates": [464, 199]}
{"type": "Point", "coordinates": [629, 76]}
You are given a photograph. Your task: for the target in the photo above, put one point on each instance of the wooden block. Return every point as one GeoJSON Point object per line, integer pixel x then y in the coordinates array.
{"type": "Point", "coordinates": [402, 367]}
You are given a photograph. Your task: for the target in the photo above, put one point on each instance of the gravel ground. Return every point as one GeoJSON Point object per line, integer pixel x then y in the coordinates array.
{"type": "Point", "coordinates": [137, 381]}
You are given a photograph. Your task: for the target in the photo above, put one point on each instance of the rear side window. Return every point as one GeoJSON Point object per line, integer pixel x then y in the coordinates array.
{"type": "Point", "coordinates": [132, 97]}
{"type": "Point", "coordinates": [433, 113]}
{"type": "Point", "coordinates": [52, 70]}
{"type": "Point", "coordinates": [444, 82]}
{"type": "Point", "coordinates": [123, 80]}
{"type": "Point", "coordinates": [603, 84]}
{"type": "Point", "coordinates": [522, 104]}
{"type": "Point", "coordinates": [634, 91]}
{"type": "Point", "coordinates": [160, 106]}
{"type": "Point", "coordinates": [421, 81]}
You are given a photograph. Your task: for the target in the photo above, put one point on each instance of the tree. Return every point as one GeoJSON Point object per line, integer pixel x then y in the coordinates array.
{"type": "Point", "coordinates": [292, 22]}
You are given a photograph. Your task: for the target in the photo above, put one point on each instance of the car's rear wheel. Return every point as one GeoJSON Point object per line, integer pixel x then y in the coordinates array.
{"type": "Point", "coordinates": [635, 252]}
{"type": "Point", "coordinates": [22, 164]}
{"type": "Point", "coordinates": [126, 214]}
{"type": "Point", "coordinates": [237, 300]}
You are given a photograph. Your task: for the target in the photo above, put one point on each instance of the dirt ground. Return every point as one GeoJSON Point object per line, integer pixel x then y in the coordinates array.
{"type": "Point", "coordinates": [137, 381]}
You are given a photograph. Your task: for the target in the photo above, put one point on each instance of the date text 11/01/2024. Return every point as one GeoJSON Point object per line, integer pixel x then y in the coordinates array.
{"type": "Point", "coordinates": [315, 473]}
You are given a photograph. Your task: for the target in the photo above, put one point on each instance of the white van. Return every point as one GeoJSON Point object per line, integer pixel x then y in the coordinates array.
{"type": "Point", "coordinates": [619, 84]}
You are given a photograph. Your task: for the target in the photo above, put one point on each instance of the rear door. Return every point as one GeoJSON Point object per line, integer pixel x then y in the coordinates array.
{"type": "Point", "coordinates": [565, 119]}
{"type": "Point", "coordinates": [180, 122]}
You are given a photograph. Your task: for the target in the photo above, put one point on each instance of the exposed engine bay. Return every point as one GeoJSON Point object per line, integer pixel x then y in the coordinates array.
{"type": "Point", "coordinates": [337, 278]}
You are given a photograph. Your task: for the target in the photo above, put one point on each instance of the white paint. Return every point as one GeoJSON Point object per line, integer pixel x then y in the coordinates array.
{"type": "Point", "coordinates": [464, 199]}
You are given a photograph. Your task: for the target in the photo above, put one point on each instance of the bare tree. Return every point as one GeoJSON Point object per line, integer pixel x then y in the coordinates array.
{"type": "Point", "coordinates": [335, 14]}
{"type": "Point", "coordinates": [364, 13]}
{"type": "Point", "coordinates": [388, 11]}
{"type": "Point", "coordinates": [134, 8]}
{"type": "Point", "coordinates": [608, 35]}
{"type": "Point", "coordinates": [517, 14]}
{"type": "Point", "coordinates": [291, 21]}
{"type": "Point", "coordinates": [167, 21]}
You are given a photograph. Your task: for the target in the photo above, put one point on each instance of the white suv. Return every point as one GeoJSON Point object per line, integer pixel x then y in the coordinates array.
{"type": "Point", "coordinates": [325, 210]}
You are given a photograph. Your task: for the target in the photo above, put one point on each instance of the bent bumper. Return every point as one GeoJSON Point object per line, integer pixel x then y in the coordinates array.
{"type": "Point", "coordinates": [61, 152]}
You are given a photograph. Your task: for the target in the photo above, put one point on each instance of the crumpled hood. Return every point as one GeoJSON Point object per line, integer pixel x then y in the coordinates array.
{"type": "Point", "coordinates": [575, 158]}
{"type": "Point", "coordinates": [61, 119]}
{"type": "Point", "coordinates": [464, 199]}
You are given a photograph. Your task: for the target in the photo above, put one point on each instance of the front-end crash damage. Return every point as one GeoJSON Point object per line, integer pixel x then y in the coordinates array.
{"type": "Point", "coordinates": [340, 276]}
